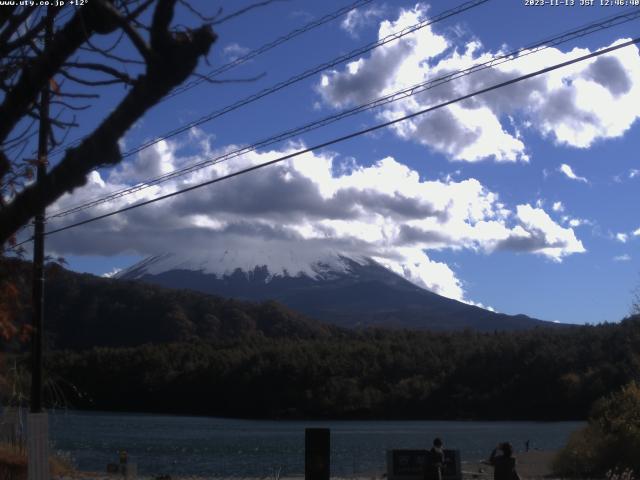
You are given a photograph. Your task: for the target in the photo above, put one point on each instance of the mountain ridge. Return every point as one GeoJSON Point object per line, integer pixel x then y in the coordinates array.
{"type": "Point", "coordinates": [336, 288]}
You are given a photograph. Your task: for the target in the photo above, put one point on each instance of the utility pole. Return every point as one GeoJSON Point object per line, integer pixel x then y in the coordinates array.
{"type": "Point", "coordinates": [37, 422]}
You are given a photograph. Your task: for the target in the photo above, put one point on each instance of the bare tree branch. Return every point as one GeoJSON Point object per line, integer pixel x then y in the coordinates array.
{"type": "Point", "coordinates": [31, 33]}
{"type": "Point", "coordinates": [124, 78]}
{"type": "Point", "coordinates": [229, 80]}
{"type": "Point", "coordinates": [141, 8]}
{"type": "Point", "coordinates": [172, 58]}
{"type": "Point", "coordinates": [5, 165]}
{"type": "Point", "coordinates": [69, 106]}
{"type": "Point", "coordinates": [77, 95]}
{"type": "Point", "coordinates": [111, 56]}
{"type": "Point", "coordinates": [14, 23]}
{"type": "Point", "coordinates": [132, 33]}
{"type": "Point", "coordinates": [160, 34]}
{"type": "Point", "coordinates": [20, 136]}
{"type": "Point", "coordinates": [244, 10]}
{"type": "Point", "coordinates": [36, 75]}
{"type": "Point", "coordinates": [5, 14]}
{"type": "Point", "coordinates": [53, 121]}
{"type": "Point", "coordinates": [199, 15]}
{"type": "Point", "coordinates": [92, 83]}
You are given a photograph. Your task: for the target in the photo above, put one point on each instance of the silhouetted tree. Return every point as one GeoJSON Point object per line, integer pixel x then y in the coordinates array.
{"type": "Point", "coordinates": [75, 56]}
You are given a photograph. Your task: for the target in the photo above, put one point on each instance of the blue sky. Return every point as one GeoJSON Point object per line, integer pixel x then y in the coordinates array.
{"type": "Point", "coordinates": [524, 201]}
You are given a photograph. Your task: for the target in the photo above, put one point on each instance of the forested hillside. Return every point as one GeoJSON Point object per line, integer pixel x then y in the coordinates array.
{"type": "Point", "coordinates": [84, 311]}
{"type": "Point", "coordinates": [116, 345]}
{"type": "Point", "coordinates": [554, 374]}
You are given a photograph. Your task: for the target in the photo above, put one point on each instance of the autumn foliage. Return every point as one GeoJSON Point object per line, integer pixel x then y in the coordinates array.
{"type": "Point", "coordinates": [12, 303]}
{"type": "Point", "coordinates": [610, 443]}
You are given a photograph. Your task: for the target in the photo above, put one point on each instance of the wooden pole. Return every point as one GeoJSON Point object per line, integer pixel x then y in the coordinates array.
{"type": "Point", "coordinates": [38, 425]}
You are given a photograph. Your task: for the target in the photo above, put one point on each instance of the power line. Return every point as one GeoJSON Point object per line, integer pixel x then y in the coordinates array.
{"type": "Point", "coordinates": [248, 56]}
{"type": "Point", "coordinates": [299, 77]}
{"type": "Point", "coordinates": [345, 137]}
{"type": "Point", "coordinates": [306, 74]}
{"type": "Point", "coordinates": [268, 46]}
{"type": "Point", "coordinates": [590, 28]}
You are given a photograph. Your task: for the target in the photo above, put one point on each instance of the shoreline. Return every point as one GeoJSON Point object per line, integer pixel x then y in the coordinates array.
{"type": "Point", "coordinates": [535, 464]}
{"type": "Point", "coordinates": [297, 419]}
{"type": "Point", "coordinates": [531, 464]}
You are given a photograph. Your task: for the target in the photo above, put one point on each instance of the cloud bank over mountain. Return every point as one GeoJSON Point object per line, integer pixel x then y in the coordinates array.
{"type": "Point", "coordinates": [384, 206]}
{"type": "Point", "coordinates": [313, 203]}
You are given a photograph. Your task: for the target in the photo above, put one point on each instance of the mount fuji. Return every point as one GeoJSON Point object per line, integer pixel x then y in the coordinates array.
{"type": "Point", "coordinates": [349, 291]}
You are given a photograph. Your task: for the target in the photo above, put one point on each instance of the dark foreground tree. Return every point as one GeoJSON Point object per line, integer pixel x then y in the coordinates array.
{"type": "Point", "coordinates": [75, 64]}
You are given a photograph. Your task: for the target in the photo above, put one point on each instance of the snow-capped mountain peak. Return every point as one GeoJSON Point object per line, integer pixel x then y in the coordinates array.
{"type": "Point", "coordinates": [348, 290]}
{"type": "Point", "coordinates": [314, 265]}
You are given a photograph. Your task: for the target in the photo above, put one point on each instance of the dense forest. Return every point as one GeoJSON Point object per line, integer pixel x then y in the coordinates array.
{"type": "Point", "coordinates": [554, 374]}
{"type": "Point", "coordinates": [84, 311]}
{"type": "Point", "coordinates": [126, 346]}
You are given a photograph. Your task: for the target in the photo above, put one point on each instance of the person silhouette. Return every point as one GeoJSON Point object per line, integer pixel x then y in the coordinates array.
{"type": "Point", "coordinates": [435, 461]}
{"type": "Point", "coordinates": [504, 465]}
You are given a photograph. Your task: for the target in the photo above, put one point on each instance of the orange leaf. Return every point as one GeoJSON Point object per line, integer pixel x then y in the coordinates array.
{"type": "Point", "coordinates": [54, 86]}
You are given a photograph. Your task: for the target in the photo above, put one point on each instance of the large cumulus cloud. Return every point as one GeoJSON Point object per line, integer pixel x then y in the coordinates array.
{"type": "Point", "coordinates": [574, 106]}
{"type": "Point", "coordinates": [306, 207]}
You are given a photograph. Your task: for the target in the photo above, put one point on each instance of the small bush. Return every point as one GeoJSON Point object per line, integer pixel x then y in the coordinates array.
{"type": "Point", "coordinates": [581, 456]}
{"type": "Point", "coordinates": [609, 443]}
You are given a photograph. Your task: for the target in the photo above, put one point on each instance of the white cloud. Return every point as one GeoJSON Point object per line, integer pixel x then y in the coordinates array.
{"type": "Point", "coordinates": [149, 163]}
{"type": "Point", "coordinates": [569, 173]}
{"type": "Point", "coordinates": [574, 106]}
{"type": "Point", "coordinates": [622, 237]}
{"type": "Point", "coordinates": [481, 305]}
{"type": "Point", "coordinates": [557, 207]}
{"type": "Point", "coordinates": [539, 233]}
{"type": "Point", "coordinates": [113, 272]}
{"type": "Point", "coordinates": [359, 18]}
{"type": "Point", "coordinates": [233, 51]}
{"type": "Point", "coordinates": [450, 176]}
{"type": "Point", "coordinates": [364, 79]}
{"type": "Point", "coordinates": [622, 258]}
{"type": "Point", "coordinates": [636, 233]}
{"type": "Point", "coordinates": [416, 266]}
{"type": "Point", "coordinates": [577, 222]}
{"type": "Point", "coordinates": [630, 174]}
{"type": "Point", "coordinates": [311, 204]}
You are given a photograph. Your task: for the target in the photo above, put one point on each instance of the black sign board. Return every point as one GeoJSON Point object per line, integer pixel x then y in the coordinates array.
{"type": "Point", "coordinates": [317, 446]}
{"type": "Point", "coordinates": [410, 464]}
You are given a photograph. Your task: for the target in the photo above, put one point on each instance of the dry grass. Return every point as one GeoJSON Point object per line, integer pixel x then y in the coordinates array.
{"type": "Point", "coordinates": [12, 455]}
{"type": "Point", "coordinates": [13, 463]}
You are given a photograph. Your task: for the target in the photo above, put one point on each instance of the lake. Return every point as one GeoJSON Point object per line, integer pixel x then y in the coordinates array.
{"type": "Point", "coordinates": [169, 444]}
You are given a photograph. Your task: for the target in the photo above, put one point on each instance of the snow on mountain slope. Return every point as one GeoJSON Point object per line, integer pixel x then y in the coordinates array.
{"type": "Point", "coordinates": [311, 264]}
{"type": "Point", "coordinates": [347, 290]}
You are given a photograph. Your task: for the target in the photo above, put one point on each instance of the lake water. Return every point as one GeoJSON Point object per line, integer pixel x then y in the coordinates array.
{"type": "Point", "coordinates": [167, 444]}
